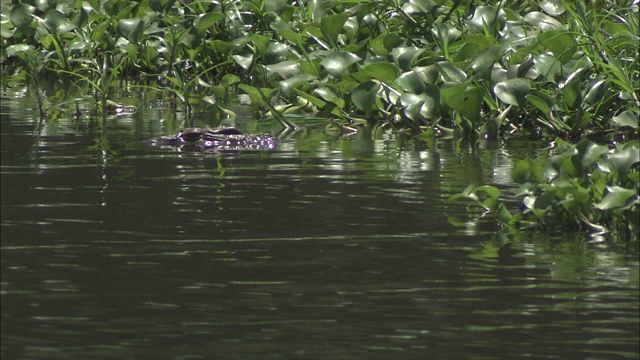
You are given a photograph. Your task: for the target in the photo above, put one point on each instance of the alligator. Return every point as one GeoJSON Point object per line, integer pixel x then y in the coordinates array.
{"type": "Point", "coordinates": [223, 139]}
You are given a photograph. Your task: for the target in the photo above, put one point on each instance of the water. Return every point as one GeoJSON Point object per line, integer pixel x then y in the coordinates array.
{"type": "Point", "coordinates": [329, 247]}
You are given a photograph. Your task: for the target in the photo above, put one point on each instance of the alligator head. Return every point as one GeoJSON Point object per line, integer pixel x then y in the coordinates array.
{"type": "Point", "coordinates": [226, 139]}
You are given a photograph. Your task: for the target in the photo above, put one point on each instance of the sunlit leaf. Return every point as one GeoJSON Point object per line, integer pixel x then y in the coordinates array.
{"type": "Point", "coordinates": [332, 25]}
{"type": "Point", "coordinates": [562, 44]}
{"type": "Point", "coordinates": [483, 63]}
{"type": "Point", "coordinates": [467, 102]}
{"type": "Point", "coordinates": [627, 118]}
{"type": "Point", "coordinates": [552, 7]}
{"type": "Point", "coordinates": [588, 153]}
{"type": "Point", "coordinates": [542, 21]}
{"type": "Point", "coordinates": [205, 21]}
{"type": "Point", "coordinates": [489, 16]}
{"type": "Point", "coordinates": [364, 96]}
{"type": "Point", "coordinates": [383, 71]}
{"type": "Point", "coordinates": [618, 198]}
{"type": "Point", "coordinates": [58, 21]}
{"type": "Point", "coordinates": [276, 6]}
{"type": "Point", "coordinates": [406, 57]}
{"type": "Point", "coordinates": [513, 91]}
{"type": "Point", "coordinates": [385, 43]}
{"type": "Point", "coordinates": [338, 62]}
{"type": "Point", "coordinates": [540, 100]}
{"type": "Point", "coordinates": [450, 72]}
{"type": "Point", "coordinates": [244, 61]}
{"type": "Point", "coordinates": [21, 15]}
{"type": "Point", "coordinates": [285, 69]}
{"type": "Point", "coordinates": [411, 82]}
{"type": "Point", "coordinates": [624, 160]}
{"type": "Point", "coordinates": [287, 85]}
{"type": "Point", "coordinates": [132, 29]}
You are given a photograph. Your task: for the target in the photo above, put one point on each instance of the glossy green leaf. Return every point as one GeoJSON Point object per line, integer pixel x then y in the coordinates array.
{"type": "Point", "coordinates": [285, 69]}
{"type": "Point", "coordinates": [618, 198]}
{"type": "Point", "coordinates": [383, 71]}
{"type": "Point", "coordinates": [276, 6]}
{"type": "Point", "coordinates": [548, 66]}
{"type": "Point", "coordinates": [58, 22]}
{"type": "Point", "coordinates": [132, 29]}
{"type": "Point", "coordinates": [627, 118]}
{"type": "Point", "coordinates": [21, 15]}
{"type": "Point", "coordinates": [483, 63]}
{"type": "Point", "coordinates": [542, 21]}
{"type": "Point", "coordinates": [489, 16]}
{"type": "Point", "coordinates": [588, 153]}
{"type": "Point", "coordinates": [338, 62]}
{"type": "Point", "coordinates": [411, 82]}
{"type": "Point", "coordinates": [450, 72]}
{"type": "Point", "coordinates": [405, 57]}
{"type": "Point", "coordinates": [513, 91]}
{"type": "Point", "coordinates": [293, 82]}
{"type": "Point", "coordinates": [332, 25]}
{"type": "Point", "coordinates": [540, 100]}
{"type": "Point", "coordinates": [329, 95]}
{"type": "Point", "coordinates": [562, 44]}
{"type": "Point", "coordinates": [257, 95]}
{"type": "Point", "coordinates": [385, 43]}
{"type": "Point", "coordinates": [364, 96]}
{"type": "Point", "coordinates": [205, 21]}
{"type": "Point", "coordinates": [521, 171]}
{"type": "Point", "coordinates": [552, 7]}
{"type": "Point", "coordinates": [13, 50]}
{"type": "Point", "coordinates": [468, 102]}
{"type": "Point", "coordinates": [412, 105]}
{"type": "Point", "coordinates": [244, 61]}
{"type": "Point", "coordinates": [229, 80]}
{"type": "Point", "coordinates": [623, 160]}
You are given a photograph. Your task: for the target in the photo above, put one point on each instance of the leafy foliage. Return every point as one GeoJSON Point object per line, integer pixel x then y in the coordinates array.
{"type": "Point", "coordinates": [585, 185]}
{"type": "Point", "coordinates": [553, 67]}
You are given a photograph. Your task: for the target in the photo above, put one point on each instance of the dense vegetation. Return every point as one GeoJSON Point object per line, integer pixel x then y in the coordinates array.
{"type": "Point", "coordinates": [545, 68]}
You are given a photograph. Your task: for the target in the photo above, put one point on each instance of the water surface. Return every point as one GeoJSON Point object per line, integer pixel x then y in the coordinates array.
{"type": "Point", "coordinates": [340, 247]}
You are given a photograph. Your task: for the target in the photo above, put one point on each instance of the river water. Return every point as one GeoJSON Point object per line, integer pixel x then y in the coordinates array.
{"type": "Point", "coordinates": [328, 247]}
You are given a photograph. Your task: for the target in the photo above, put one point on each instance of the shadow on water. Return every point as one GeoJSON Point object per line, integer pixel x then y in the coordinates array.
{"type": "Point", "coordinates": [327, 247]}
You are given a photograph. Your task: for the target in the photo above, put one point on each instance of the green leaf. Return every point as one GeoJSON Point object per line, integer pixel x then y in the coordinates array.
{"type": "Point", "coordinates": [483, 63]}
{"type": "Point", "coordinates": [383, 71]}
{"type": "Point", "coordinates": [540, 100]}
{"type": "Point", "coordinates": [21, 15]}
{"type": "Point", "coordinates": [58, 21]}
{"type": "Point", "coordinates": [469, 102]}
{"type": "Point", "coordinates": [131, 29]}
{"type": "Point", "coordinates": [364, 96]}
{"type": "Point", "coordinates": [552, 7]}
{"type": "Point", "coordinates": [285, 69]}
{"type": "Point", "coordinates": [332, 25]}
{"type": "Point", "coordinates": [338, 62]}
{"type": "Point", "coordinates": [205, 21]}
{"type": "Point", "coordinates": [562, 44]}
{"type": "Point", "coordinates": [618, 198]}
{"type": "Point", "coordinates": [521, 171]}
{"type": "Point", "coordinates": [627, 118]}
{"type": "Point", "coordinates": [513, 91]}
{"type": "Point", "coordinates": [588, 154]}
{"type": "Point", "coordinates": [411, 82]}
{"type": "Point", "coordinates": [229, 80]}
{"type": "Point", "coordinates": [287, 85]}
{"type": "Point", "coordinates": [542, 21]}
{"type": "Point", "coordinates": [624, 160]}
{"type": "Point", "coordinates": [385, 43]}
{"type": "Point", "coordinates": [451, 72]}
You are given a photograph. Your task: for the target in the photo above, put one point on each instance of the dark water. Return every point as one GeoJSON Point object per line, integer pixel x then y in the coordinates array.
{"type": "Point", "coordinates": [327, 248]}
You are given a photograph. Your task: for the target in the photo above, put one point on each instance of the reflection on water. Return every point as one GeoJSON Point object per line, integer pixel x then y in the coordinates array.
{"type": "Point", "coordinates": [328, 247]}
